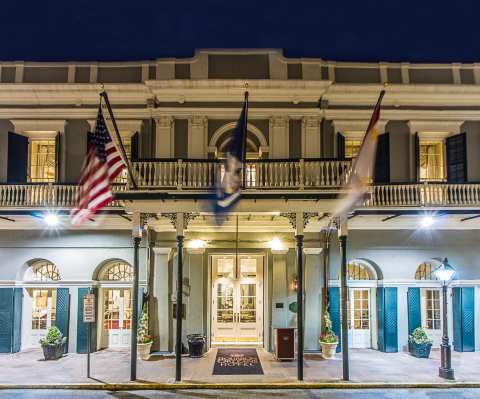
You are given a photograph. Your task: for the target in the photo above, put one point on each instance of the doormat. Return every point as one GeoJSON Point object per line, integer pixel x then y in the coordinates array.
{"type": "Point", "coordinates": [237, 362]}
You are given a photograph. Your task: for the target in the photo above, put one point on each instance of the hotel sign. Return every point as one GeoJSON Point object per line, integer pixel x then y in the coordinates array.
{"type": "Point", "coordinates": [89, 308]}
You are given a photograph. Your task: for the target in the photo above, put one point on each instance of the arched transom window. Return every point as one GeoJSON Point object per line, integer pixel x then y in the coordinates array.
{"type": "Point", "coordinates": [118, 271]}
{"type": "Point", "coordinates": [425, 272]}
{"type": "Point", "coordinates": [43, 271]}
{"type": "Point", "coordinates": [357, 271]}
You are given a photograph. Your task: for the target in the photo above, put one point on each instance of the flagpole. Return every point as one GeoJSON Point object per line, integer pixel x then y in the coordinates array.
{"type": "Point", "coordinates": [245, 127]}
{"type": "Point", "coordinates": [104, 94]}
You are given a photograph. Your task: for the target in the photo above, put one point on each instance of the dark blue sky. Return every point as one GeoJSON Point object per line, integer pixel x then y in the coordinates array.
{"type": "Point", "coordinates": [361, 30]}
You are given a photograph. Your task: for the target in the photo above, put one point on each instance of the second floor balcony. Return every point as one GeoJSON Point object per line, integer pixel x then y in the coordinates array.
{"type": "Point", "coordinates": [275, 177]}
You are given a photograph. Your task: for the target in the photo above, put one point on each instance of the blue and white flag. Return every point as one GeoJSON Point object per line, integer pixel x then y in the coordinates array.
{"type": "Point", "coordinates": [229, 186]}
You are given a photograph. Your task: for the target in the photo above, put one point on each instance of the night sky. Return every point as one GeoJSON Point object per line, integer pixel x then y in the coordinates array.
{"type": "Point", "coordinates": [361, 30]}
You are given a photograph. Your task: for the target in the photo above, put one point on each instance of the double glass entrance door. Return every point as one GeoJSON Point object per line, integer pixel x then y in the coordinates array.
{"type": "Point", "coordinates": [237, 299]}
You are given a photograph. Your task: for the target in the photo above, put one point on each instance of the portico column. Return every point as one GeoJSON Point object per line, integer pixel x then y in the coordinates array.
{"type": "Point", "coordinates": [164, 140]}
{"type": "Point", "coordinates": [160, 300]}
{"type": "Point", "coordinates": [342, 237]}
{"type": "Point", "coordinates": [178, 345]}
{"type": "Point", "coordinates": [279, 138]}
{"type": "Point", "coordinates": [311, 146]}
{"type": "Point", "coordinates": [197, 137]}
{"type": "Point", "coordinates": [137, 237]}
{"type": "Point", "coordinates": [326, 272]}
{"type": "Point", "coordinates": [300, 334]}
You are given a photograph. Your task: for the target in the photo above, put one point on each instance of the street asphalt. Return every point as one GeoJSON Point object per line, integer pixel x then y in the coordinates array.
{"type": "Point", "coordinates": [240, 394]}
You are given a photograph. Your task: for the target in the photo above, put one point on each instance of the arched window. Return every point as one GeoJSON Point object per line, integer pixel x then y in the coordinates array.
{"type": "Point", "coordinates": [42, 270]}
{"type": "Point", "coordinates": [425, 272]}
{"type": "Point", "coordinates": [357, 271]}
{"type": "Point", "coordinates": [118, 271]}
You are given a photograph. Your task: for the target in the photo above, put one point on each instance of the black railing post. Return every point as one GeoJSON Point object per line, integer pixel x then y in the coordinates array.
{"type": "Point", "coordinates": [342, 237]}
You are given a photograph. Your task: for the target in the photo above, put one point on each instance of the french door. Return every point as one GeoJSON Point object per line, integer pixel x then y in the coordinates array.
{"type": "Point", "coordinates": [359, 318]}
{"type": "Point", "coordinates": [431, 307]}
{"type": "Point", "coordinates": [117, 317]}
{"type": "Point", "coordinates": [237, 299]}
{"type": "Point", "coordinates": [44, 303]}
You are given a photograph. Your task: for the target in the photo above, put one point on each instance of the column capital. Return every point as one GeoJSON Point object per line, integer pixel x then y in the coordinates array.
{"type": "Point", "coordinates": [312, 251]}
{"type": "Point", "coordinates": [198, 120]}
{"type": "Point", "coordinates": [161, 250]}
{"type": "Point", "coordinates": [282, 251]}
{"type": "Point", "coordinates": [164, 121]}
{"type": "Point", "coordinates": [278, 121]}
{"type": "Point", "coordinates": [311, 121]}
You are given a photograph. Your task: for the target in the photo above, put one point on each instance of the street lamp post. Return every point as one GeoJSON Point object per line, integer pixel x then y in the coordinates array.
{"type": "Point", "coordinates": [445, 273]}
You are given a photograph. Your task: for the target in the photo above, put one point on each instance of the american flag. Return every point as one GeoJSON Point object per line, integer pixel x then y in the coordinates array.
{"type": "Point", "coordinates": [102, 164]}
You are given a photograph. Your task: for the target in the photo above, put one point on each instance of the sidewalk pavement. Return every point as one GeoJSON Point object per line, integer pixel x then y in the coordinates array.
{"type": "Point", "coordinates": [113, 366]}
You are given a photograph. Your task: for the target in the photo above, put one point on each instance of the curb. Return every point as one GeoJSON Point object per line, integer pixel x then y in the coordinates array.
{"type": "Point", "coordinates": [137, 386]}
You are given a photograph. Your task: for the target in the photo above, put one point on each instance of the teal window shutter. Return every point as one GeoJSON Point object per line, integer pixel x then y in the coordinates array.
{"type": "Point", "coordinates": [82, 328]}
{"type": "Point", "coordinates": [17, 319]}
{"type": "Point", "coordinates": [463, 306]}
{"type": "Point", "coordinates": [334, 301]}
{"type": "Point", "coordinates": [381, 319]}
{"type": "Point", "coordinates": [63, 313]}
{"type": "Point", "coordinates": [391, 320]}
{"type": "Point", "coordinates": [387, 319]}
{"type": "Point", "coordinates": [414, 311]}
{"type": "Point", "coordinates": [457, 319]}
{"type": "Point", "coordinates": [6, 319]}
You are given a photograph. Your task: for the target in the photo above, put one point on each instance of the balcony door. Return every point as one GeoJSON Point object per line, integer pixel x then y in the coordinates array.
{"type": "Point", "coordinates": [237, 300]}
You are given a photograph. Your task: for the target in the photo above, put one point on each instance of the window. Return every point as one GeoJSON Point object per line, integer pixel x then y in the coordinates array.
{"type": "Point", "coordinates": [44, 311]}
{"type": "Point", "coordinates": [119, 271]}
{"type": "Point", "coordinates": [356, 271]}
{"type": "Point", "coordinates": [425, 272]}
{"type": "Point", "coordinates": [123, 176]}
{"type": "Point", "coordinates": [43, 271]}
{"type": "Point", "coordinates": [352, 148]}
{"type": "Point", "coordinates": [42, 161]}
{"type": "Point", "coordinates": [432, 160]}
{"type": "Point", "coordinates": [432, 310]}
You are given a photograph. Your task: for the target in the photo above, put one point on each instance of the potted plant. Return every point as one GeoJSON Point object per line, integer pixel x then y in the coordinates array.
{"type": "Point", "coordinates": [328, 340]}
{"type": "Point", "coordinates": [53, 344]}
{"type": "Point", "coordinates": [144, 341]}
{"type": "Point", "coordinates": [419, 343]}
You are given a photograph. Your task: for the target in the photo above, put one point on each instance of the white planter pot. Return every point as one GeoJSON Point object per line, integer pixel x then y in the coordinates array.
{"type": "Point", "coordinates": [328, 349]}
{"type": "Point", "coordinates": [143, 350]}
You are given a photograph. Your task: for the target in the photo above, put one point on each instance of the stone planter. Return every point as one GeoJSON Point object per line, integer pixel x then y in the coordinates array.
{"type": "Point", "coordinates": [53, 351]}
{"type": "Point", "coordinates": [420, 350]}
{"type": "Point", "coordinates": [328, 349]}
{"type": "Point", "coordinates": [143, 350]}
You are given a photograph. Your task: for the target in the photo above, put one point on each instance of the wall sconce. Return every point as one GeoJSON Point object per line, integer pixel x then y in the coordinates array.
{"type": "Point", "coordinates": [295, 284]}
{"type": "Point", "coordinates": [197, 244]}
{"type": "Point", "coordinates": [276, 244]}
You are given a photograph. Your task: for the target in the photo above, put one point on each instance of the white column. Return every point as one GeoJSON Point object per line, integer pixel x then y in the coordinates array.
{"type": "Point", "coordinates": [196, 297]}
{"type": "Point", "coordinates": [311, 137]}
{"type": "Point", "coordinates": [197, 137]}
{"type": "Point", "coordinates": [279, 291]}
{"type": "Point", "coordinates": [402, 322]}
{"type": "Point", "coordinates": [313, 290]}
{"type": "Point", "coordinates": [161, 321]}
{"type": "Point", "coordinates": [279, 138]}
{"type": "Point", "coordinates": [164, 137]}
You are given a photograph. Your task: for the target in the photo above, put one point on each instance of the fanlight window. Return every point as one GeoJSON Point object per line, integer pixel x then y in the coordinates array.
{"type": "Point", "coordinates": [119, 271]}
{"type": "Point", "coordinates": [425, 272]}
{"type": "Point", "coordinates": [43, 271]}
{"type": "Point", "coordinates": [357, 271]}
